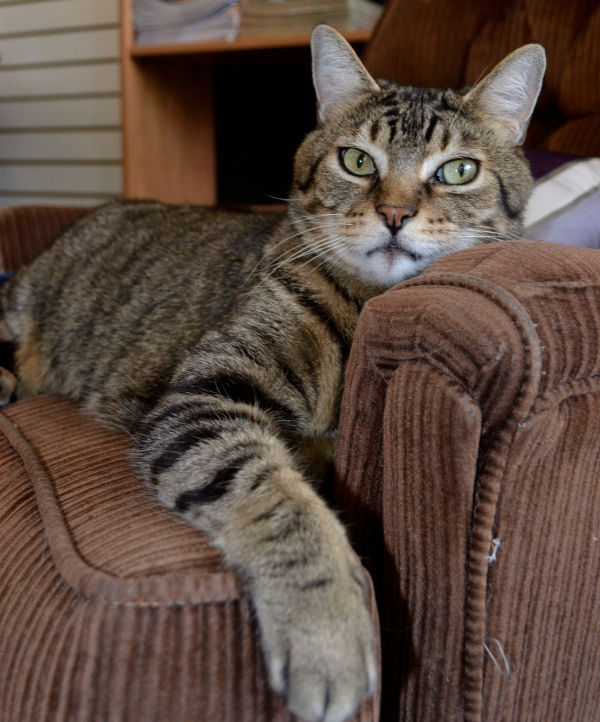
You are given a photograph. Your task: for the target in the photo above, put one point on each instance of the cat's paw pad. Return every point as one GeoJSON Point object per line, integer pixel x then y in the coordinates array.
{"type": "Point", "coordinates": [322, 660]}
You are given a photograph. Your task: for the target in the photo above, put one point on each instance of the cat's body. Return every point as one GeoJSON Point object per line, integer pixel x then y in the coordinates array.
{"type": "Point", "coordinates": [219, 341]}
{"type": "Point", "coordinates": [175, 270]}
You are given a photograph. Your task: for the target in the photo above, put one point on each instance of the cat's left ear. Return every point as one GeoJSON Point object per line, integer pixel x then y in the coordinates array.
{"type": "Point", "coordinates": [510, 91]}
{"type": "Point", "coordinates": [338, 75]}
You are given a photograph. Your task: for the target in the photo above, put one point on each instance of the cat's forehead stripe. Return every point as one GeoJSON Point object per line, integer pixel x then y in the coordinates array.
{"type": "Point", "coordinates": [410, 114]}
{"type": "Point", "coordinates": [363, 135]}
{"type": "Point", "coordinates": [433, 121]}
{"type": "Point", "coordinates": [445, 139]}
{"type": "Point", "coordinates": [391, 99]}
{"type": "Point", "coordinates": [375, 130]}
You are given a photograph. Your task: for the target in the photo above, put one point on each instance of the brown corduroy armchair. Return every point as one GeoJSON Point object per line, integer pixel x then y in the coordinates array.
{"type": "Point", "coordinates": [467, 469]}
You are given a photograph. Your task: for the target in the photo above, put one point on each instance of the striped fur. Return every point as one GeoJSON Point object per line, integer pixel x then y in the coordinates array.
{"type": "Point", "coordinates": [219, 340]}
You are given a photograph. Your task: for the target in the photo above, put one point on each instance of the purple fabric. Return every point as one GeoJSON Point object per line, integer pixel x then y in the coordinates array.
{"type": "Point", "coordinates": [577, 226]}
{"type": "Point", "coordinates": [545, 161]}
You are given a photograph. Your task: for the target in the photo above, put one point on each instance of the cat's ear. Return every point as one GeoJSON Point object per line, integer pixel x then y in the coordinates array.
{"type": "Point", "coordinates": [338, 75]}
{"type": "Point", "coordinates": [510, 91]}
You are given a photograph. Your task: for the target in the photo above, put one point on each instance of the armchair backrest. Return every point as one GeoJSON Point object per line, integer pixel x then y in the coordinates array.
{"type": "Point", "coordinates": [452, 43]}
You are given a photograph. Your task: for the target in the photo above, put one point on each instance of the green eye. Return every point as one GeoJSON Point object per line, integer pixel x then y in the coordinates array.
{"type": "Point", "coordinates": [357, 161]}
{"type": "Point", "coordinates": [456, 172]}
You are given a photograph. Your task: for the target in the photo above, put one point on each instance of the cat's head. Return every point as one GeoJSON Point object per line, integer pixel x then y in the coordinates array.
{"type": "Point", "coordinates": [393, 177]}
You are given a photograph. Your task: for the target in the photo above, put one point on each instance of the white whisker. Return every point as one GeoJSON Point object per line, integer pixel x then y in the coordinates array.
{"type": "Point", "coordinates": [299, 233]}
{"type": "Point", "coordinates": [317, 246]}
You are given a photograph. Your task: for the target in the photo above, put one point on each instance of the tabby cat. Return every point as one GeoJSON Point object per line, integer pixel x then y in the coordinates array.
{"type": "Point", "coordinates": [218, 340]}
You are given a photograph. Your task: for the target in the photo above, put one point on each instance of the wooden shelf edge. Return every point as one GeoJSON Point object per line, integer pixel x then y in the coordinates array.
{"type": "Point", "coordinates": [242, 43]}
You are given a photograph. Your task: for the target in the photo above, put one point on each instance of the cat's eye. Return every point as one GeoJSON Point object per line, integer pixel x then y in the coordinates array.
{"type": "Point", "coordinates": [357, 162]}
{"type": "Point", "coordinates": [458, 171]}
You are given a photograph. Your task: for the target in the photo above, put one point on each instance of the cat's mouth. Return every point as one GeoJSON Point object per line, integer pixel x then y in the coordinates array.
{"type": "Point", "coordinates": [392, 248]}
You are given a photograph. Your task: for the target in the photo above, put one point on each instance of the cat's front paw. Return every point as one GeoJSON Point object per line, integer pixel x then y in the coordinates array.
{"type": "Point", "coordinates": [319, 647]}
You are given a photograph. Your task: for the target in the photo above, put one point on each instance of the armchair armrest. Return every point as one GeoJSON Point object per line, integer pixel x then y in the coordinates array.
{"type": "Point", "coordinates": [468, 463]}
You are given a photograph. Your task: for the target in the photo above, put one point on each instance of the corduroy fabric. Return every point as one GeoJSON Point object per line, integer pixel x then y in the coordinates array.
{"type": "Point", "coordinates": [483, 376]}
{"type": "Point", "coordinates": [26, 230]}
{"type": "Point", "coordinates": [453, 43]}
{"type": "Point", "coordinates": [110, 607]}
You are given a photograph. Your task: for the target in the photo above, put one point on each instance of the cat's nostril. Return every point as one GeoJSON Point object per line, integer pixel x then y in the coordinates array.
{"type": "Point", "coordinates": [395, 215]}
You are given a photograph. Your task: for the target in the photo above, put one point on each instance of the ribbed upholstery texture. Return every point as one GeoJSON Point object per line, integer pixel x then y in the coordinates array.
{"type": "Point", "coordinates": [26, 230]}
{"type": "Point", "coordinates": [452, 43]}
{"type": "Point", "coordinates": [111, 608]}
{"type": "Point", "coordinates": [468, 464]}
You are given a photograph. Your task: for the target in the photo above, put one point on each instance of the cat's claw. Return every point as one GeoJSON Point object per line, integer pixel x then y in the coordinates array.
{"type": "Point", "coordinates": [322, 660]}
{"type": "Point", "coordinates": [333, 692]}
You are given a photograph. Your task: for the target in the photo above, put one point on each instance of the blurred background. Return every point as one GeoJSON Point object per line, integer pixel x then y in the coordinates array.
{"type": "Point", "coordinates": [62, 110]}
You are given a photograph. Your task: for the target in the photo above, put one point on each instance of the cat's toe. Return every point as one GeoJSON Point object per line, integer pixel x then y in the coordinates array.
{"type": "Point", "coordinates": [322, 661]}
{"type": "Point", "coordinates": [332, 689]}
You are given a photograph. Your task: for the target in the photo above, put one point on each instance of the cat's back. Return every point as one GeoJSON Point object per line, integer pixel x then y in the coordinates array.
{"type": "Point", "coordinates": [118, 238]}
{"type": "Point", "coordinates": [129, 250]}
{"type": "Point", "coordinates": [129, 287]}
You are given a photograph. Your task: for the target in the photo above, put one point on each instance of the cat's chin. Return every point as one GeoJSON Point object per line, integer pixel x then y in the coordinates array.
{"type": "Point", "coordinates": [389, 264]}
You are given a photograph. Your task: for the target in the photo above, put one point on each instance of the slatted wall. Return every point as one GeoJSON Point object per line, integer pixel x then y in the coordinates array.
{"type": "Point", "coordinates": [60, 115]}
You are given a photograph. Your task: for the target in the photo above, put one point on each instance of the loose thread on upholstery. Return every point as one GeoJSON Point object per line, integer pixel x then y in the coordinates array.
{"type": "Point", "coordinates": [502, 666]}
{"type": "Point", "coordinates": [494, 555]}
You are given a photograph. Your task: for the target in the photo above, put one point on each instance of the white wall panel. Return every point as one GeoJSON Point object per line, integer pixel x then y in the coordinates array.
{"type": "Point", "coordinates": [61, 113]}
{"type": "Point", "coordinates": [79, 178]}
{"type": "Point", "coordinates": [17, 199]}
{"type": "Point", "coordinates": [86, 45]}
{"type": "Point", "coordinates": [70, 80]}
{"type": "Point", "coordinates": [61, 146]}
{"type": "Point", "coordinates": [60, 109]}
{"type": "Point", "coordinates": [33, 17]}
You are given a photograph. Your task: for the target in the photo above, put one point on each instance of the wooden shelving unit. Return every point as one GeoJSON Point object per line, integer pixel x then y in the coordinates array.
{"type": "Point", "coordinates": [242, 43]}
{"type": "Point", "coordinates": [170, 107]}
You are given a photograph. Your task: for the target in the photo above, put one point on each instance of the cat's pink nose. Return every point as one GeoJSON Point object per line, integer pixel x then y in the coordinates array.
{"type": "Point", "coordinates": [395, 215]}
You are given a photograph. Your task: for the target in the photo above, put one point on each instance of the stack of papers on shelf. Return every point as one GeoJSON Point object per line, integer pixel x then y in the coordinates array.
{"type": "Point", "coordinates": [363, 14]}
{"type": "Point", "coordinates": [185, 21]}
{"type": "Point", "coordinates": [280, 16]}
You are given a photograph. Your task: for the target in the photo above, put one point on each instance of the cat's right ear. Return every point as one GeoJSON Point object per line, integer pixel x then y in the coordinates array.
{"type": "Point", "coordinates": [338, 75]}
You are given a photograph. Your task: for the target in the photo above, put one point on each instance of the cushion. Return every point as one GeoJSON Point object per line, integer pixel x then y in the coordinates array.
{"type": "Point", "coordinates": [453, 43]}
{"type": "Point", "coordinates": [565, 204]}
{"type": "Point", "coordinates": [111, 608]}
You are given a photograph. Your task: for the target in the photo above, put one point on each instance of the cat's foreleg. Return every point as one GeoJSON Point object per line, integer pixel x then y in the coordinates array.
{"type": "Point", "coordinates": [219, 463]}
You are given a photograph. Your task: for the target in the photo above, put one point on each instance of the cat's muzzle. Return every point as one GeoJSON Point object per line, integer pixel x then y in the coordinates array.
{"type": "Point", "coordinates": [394, 247]}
